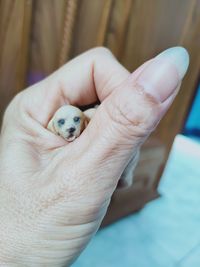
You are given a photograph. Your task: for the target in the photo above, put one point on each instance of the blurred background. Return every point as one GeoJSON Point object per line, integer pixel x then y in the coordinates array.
{"type": "Point", "coordinates": [39, 36]}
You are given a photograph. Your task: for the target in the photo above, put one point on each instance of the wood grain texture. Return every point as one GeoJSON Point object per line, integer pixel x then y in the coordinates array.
{"type": "Point", "coordinates": [91, 25]}
{"type": "Point", "coordinates": [117, 26]}
{"type": "Point", "coordinates": [46, 38]}
{"type": "Point", "coordinates": [15, 21]}
{"type": "Point", "coordinates": [68, 31]}
{"type": "Point", "coordinates": [154, 25]}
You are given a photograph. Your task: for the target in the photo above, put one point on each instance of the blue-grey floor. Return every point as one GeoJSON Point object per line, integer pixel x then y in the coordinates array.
{"type": "Point", "coordinates": [166, 233]}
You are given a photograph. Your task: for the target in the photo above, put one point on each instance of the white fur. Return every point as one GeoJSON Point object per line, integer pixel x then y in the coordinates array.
{"type": "Point", "coordinates": [68, 113]}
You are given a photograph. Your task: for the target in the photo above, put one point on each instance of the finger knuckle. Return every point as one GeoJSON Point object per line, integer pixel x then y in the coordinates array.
{"type": "Point", "coordinates": [101, 51]}
{"type": "Point", "coordinates": [136, 113]}
{"type": "Point", "coordinates": [13, 106]}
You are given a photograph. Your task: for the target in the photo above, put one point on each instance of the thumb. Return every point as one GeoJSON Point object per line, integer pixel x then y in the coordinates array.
{"type": "Point", "coordinates": [131, 112]}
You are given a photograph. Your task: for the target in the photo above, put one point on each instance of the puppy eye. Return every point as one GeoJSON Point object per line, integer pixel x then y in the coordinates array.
{"type": "Point", "coordinates": [61, 121]}
{"type": "Point", "coordinates": [76, 119]}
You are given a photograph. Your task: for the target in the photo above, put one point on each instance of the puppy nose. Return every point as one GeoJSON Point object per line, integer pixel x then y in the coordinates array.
{"type": "Point", "coordinates": [71, 129]}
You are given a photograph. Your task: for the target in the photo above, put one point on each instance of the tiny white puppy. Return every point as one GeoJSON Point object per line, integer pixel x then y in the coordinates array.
{"type": "Point", "coordinates": [68, 122]}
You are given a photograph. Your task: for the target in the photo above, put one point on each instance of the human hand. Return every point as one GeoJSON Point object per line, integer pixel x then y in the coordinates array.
{"type": "Point", "coordinates": [54, 194]}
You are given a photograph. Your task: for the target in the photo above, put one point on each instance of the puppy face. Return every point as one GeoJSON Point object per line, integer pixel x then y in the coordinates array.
{"type": "Point", "coordinates": [68, 122]}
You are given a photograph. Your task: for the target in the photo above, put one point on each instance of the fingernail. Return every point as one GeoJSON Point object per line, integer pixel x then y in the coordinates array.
{"type": "Point", "coordinates": [164, 74]}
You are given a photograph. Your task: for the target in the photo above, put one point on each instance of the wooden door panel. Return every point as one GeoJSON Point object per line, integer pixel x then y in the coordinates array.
{"type": "Point", "coordinates": [15, 22]}
{"type": "Point", "coordinates": [46, 38]}
{"type": "Point", "coordinates": [91, 25]}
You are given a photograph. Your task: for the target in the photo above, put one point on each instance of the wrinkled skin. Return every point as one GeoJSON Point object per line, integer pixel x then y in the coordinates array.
{"type": "Point", "coordinates": [54, 194]}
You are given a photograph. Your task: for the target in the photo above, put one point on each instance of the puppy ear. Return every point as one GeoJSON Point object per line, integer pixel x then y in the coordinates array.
{"type": "Point", "coordinates": [51, 127]}
{"type": "Point", "coordinates": [86, 121]}
{"type": "Point", "coordinates": [89, 113]}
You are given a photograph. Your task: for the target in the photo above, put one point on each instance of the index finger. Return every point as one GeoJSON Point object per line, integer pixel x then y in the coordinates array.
{"type": "Point", "coordinates": [89, 77]}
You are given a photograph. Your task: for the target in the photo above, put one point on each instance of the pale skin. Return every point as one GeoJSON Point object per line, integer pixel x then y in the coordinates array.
{"type": "Point", "coordinates": [53, 193]}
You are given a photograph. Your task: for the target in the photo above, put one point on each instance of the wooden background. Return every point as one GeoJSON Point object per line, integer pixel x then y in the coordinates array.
{"type": "Point", "coordinates": [38, 36]}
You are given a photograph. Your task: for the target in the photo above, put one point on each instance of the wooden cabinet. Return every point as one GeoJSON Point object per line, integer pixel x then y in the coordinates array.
{"type": "Point", "coordinates": [38, 36]}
